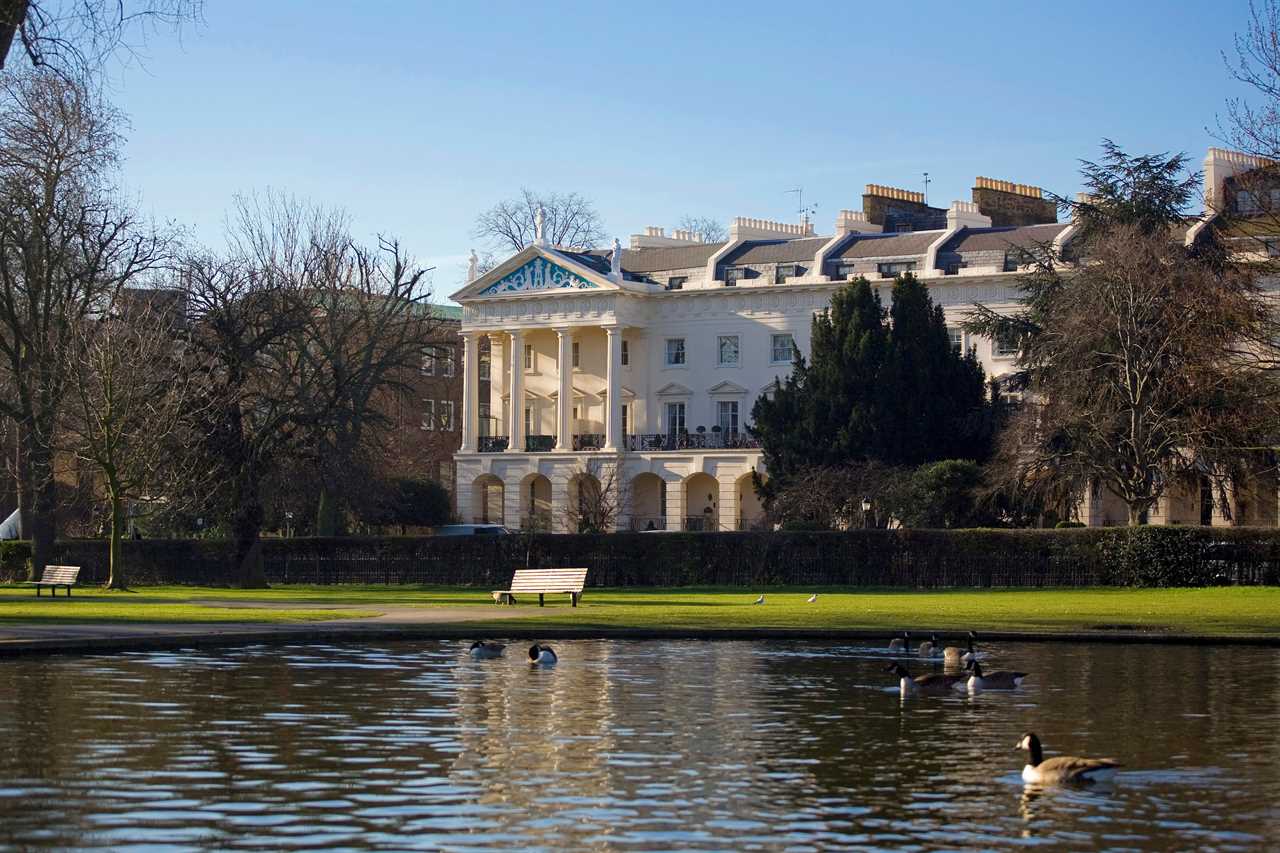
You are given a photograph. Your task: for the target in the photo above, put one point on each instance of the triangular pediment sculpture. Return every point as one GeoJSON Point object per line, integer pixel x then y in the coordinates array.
{"type": "Point", "coordinates": [673, 389]}
{"type": "Point", "coordinates": [726, 387]}
{"type": "Point", "coordinates": [538, 274]}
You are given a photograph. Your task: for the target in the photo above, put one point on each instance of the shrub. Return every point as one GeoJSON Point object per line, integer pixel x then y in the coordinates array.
{"type": "Point", "coordinates": [15, 560]}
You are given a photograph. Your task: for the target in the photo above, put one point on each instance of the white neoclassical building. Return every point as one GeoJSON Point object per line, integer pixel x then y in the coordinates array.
{"type": "Point", "coordinates": [640, 366]}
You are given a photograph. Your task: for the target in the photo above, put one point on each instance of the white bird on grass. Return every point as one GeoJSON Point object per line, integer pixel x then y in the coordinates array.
{"type": "Point", "coordinates": [759, 600]}
{"type": "Point", "coordinates": [813, 598]}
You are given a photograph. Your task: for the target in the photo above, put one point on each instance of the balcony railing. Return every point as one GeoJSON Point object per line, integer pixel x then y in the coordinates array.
{"type": "Point", "coordinates": [639, 442]}
{"type": "Point", "coordinates": [539, 443]}
{"type": "Point", "coordinates": [648, 522]}
{"type": "Point", "coordinates": [650, 442]}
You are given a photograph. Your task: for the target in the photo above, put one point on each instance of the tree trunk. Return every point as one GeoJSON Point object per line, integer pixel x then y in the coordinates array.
{"type": "Point", "coordinates": [35, 487]}
{"type": "Point", "coordinates": [1137, 513]}
{"type": "Point", "coordinates": [326, 514]}
{"type": "Point", "coordinates": [116, 579]}
{"type": "Point", "coordinates": [246, 531]}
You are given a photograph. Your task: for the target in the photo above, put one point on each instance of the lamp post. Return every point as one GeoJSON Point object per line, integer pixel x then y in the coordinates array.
{"type": "Point", "coordinates": [866, 512]}
{"type": "Point", "coordinates": [288, 525]}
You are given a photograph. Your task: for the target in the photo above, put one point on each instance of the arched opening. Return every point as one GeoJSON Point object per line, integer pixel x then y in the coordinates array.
{"type": "Point", "coordinates": [589, 509]}
{"type": "Point", "coordinates": [701, 503]}
{"type": "Point", "coordinates": [535, 503]}
{"type": "Point", "coordinates": [648, 502]}
{"type": "Point", "coordinates": [487, 500]}
{"type": "Point", "coordinates": [750, 509]}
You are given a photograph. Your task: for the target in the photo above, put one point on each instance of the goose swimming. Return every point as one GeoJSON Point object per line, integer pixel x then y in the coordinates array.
{"type": "Point", "coordinates": [480, 650]}
{"type": "Point", "coordinates": [1063, 769]}
{"type": "Point", "coordinates": [540, 655]}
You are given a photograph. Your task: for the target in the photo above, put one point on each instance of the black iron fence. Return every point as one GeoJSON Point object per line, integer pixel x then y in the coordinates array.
{"type": "Point", "coordinates": [1156, 556]}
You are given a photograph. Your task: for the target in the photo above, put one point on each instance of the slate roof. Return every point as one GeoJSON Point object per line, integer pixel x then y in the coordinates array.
{"type": "Point", "coordinates": [999, 239]}
{"type": "Point", "coordinates": [668, 257]}
{"type": "Point", "coordinates": [777, 251]}
{"type": "Point", "coordinates": [889, 245]}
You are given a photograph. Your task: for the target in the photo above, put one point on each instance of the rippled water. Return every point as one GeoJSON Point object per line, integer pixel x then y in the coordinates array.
{"type": "Point", "coordinates": [630, 746]}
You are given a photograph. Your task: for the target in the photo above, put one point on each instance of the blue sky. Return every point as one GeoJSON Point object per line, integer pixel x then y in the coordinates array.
{"type": "Point", "coordinates": [415, 116]}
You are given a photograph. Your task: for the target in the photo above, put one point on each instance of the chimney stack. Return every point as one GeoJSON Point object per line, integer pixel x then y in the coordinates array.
{"type": "Point", "coordinates": [1008, 203]}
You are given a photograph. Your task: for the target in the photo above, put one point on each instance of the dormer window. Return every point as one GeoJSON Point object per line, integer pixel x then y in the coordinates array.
{"type": "Point", "coordinates": [785, 271]}
{"type": "Point", "coordinates": [733, 275]}
{"type": "Point", "coordinates": [676, 282]}
{"type": "Point", "coordinates": [846, 272]}
{"type": "Point", "coordinates": [895, 269]}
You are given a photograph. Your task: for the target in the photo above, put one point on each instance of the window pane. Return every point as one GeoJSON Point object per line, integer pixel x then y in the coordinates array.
{"type": "Point", "coordinates": [626, 354]}
{"type": "Point", "coordinates": [728, 349]}
{"type": "Point", "coordinates": [957, 339]}
{"type": "Point", "coordinates": [675, 350]}
{"type": "Point", "coordinates": [528, 356]}
{"type": "Point", "coordinates": [727, 415]}
{"type": "Point", "coordinates": [576, 354]}
{"type": "Point", "coordinates": [783, 349]}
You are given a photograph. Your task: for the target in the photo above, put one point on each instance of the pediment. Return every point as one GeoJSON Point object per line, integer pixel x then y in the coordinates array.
{"type": "Point", "coordinates": [674, 389]}
{"type": "Point", "coordinates": [623, 391]}
{"type": "Point", "coordinates": [535, 269]}
{"type": "Point", "coordinates": [726, 387]}
{"type": "Point", "coordinates": [577, 392]}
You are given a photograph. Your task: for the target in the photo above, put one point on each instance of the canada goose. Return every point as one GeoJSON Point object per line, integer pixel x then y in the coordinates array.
{"type": "Point", "coordinates": [929, 648]}
{"type": "Point", "coordinates": [540, 655]}
{"type": "Point", "coordinates": [480, 650]}
{"type": "Point", "coordinates": [932, 683]}
{"type": "Point", "coordinates": [1063, 769]}
{"type": "Point", "coordinates": [812, 598]}
{"type": "Point", "coordinates": [955, 654]}
{"type": "Point", "coordinates": [899, 644]}
{"type": "Point", "coordinates": [1002, 680]}
{"type": "Point", "coordinates": [759, 600]}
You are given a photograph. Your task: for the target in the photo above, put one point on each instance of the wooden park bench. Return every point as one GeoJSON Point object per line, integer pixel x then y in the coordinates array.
{"type": "Point", "coordinates": [56, 576]}
{"type": "Point", "coordinates": [543, 582]}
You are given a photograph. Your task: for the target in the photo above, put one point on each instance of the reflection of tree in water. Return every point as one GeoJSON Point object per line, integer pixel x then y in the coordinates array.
{"type": "Point", "coordinates": [730, 740]}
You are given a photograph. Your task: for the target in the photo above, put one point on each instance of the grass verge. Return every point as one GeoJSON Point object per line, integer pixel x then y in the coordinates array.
{"type": "Point", "coordinates": [1224, 611]}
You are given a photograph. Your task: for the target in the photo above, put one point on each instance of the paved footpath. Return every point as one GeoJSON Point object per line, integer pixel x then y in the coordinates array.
{"type": "Point", "coordinates": [408, 622]}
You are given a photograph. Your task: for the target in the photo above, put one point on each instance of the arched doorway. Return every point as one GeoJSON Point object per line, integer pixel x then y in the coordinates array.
{"type": "Point", "coordinates": [535, 503]}
{"type": "Point", "coordinates": [589, 509]}
{"type": "Point", "coordinates": [648, 502]}
{"type": "Point", "coordinates": [701, 503]}
{"type": "Point", "coordinates": [750, 509]}
{"type": "Point", "coordinates": [487, 500]}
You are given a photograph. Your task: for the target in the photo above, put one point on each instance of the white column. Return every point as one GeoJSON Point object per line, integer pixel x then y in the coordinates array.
{"type": "Point", "coordinates": [613, 397]}
{"type": "Point", "coordinates": [515, 408]}
{"type": "Point", "coordinates": [470, 390]}
{"type": "Point", "coordinates": [564, 406]}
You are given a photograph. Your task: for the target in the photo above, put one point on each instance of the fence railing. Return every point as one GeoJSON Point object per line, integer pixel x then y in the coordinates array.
{"type": "Point", "coordinates": [1180, 556]}
{"type": "Point", "coordinates": [493, 443]}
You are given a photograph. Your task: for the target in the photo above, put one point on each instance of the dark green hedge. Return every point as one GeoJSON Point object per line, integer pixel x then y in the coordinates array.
{"type": "Point", "coordinates": [1149, 556]}
{"type": "Point", "coordinates": [14, 559]}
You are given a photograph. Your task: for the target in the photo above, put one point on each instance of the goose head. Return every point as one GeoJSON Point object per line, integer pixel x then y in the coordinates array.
{"type": "Point", "coordinates": [534, 651]}
{"type": "Point", "coordinates": [975, 667]}
{"type": "Point", "coordinates": [477, 644]}
{"type": "Point", "coordinates": [898, 670]}
{"type": "Point", "coordinates": [1031, 743]}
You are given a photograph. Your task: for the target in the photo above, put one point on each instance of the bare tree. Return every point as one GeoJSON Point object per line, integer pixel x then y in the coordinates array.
{"type": "Point", "coordinates": [130, 408]}
{"type": "Point", "coordinates": [597, 498]}
{"type": "Point", "coordinates": [301, 332]}
{"type": "Point", "coordinates": [706, 228]}
{"type": "Point", "coordinates": [66, 247]}
{"type": "Point", "coordinates": [568, 220]}
{"type": "Point", "coordinates": [832, 497]}
{"type": "Point", "coordinates": [1249, 127]}
{"type": "Point", "coordinates": [74, 37]}
{"type": "Point", "coordinates": [1134, 379]}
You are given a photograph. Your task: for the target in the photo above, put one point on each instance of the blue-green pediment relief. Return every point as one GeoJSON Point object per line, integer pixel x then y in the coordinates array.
{"type": "Point", "coordinates": [538, 274]}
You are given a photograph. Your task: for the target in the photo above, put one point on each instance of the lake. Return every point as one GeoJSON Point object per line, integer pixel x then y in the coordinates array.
{"type": "Point", "coordinates": [631, 745]}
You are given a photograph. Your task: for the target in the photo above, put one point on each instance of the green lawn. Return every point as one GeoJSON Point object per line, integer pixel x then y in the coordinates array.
{"type": "Point", "coordinates": [1219, 611]}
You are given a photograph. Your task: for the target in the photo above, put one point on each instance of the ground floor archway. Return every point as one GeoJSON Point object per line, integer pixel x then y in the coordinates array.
{"type": "Point", "coordinates": [535, 503]}
{"type": "Point", "coordinates": [701, 503]}
{"type": "Point", "coordinates": [487, 497]}
{"type": "Point", "coordinates": [750, 507]}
